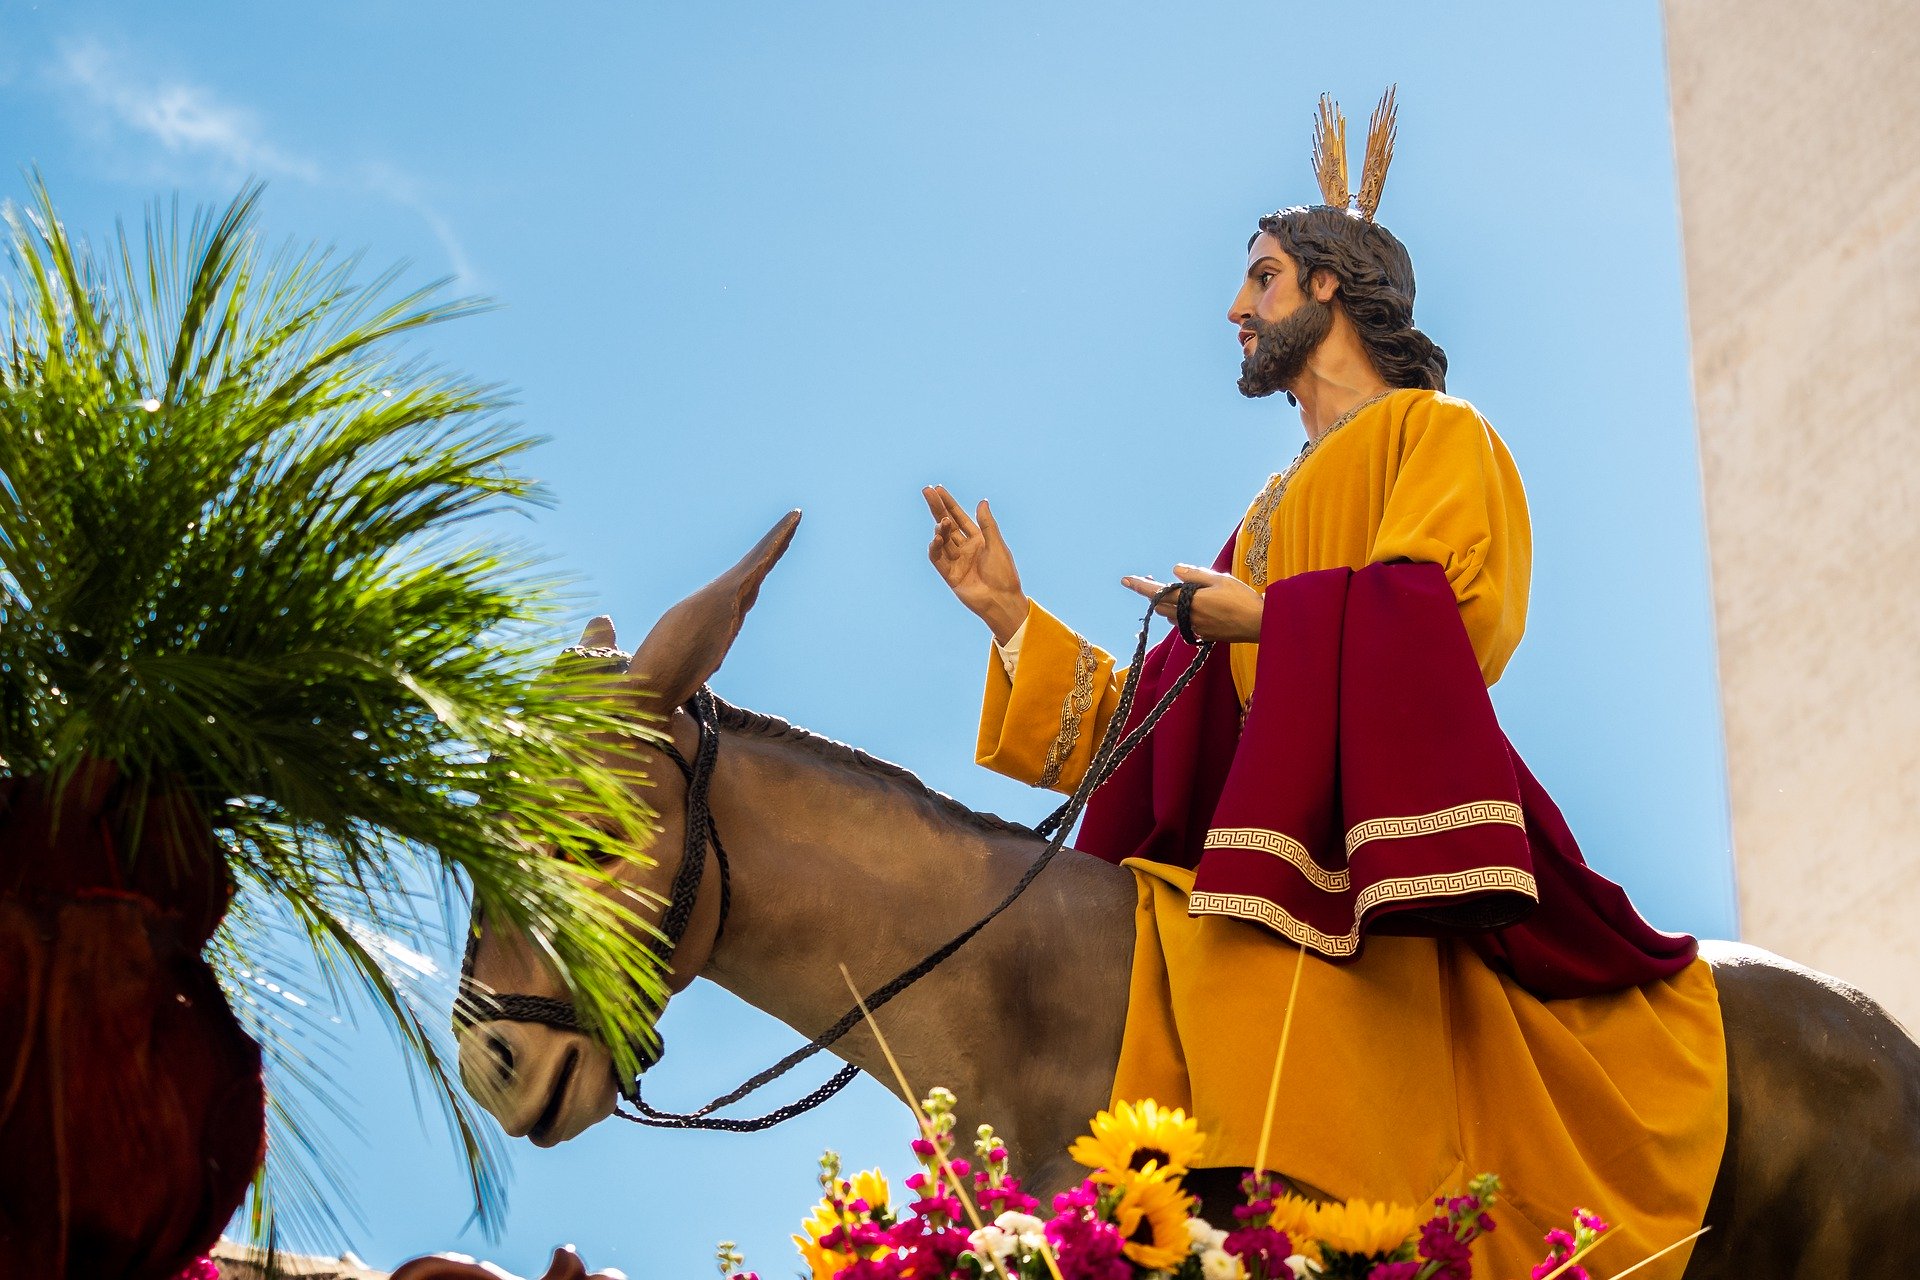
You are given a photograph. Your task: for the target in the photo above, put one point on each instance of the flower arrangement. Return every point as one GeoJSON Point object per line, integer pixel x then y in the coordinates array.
{"type": "Point", "coordinates": [1131, 1218]}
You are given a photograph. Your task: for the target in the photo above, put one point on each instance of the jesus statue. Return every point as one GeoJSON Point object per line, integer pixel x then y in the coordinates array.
{"type": "Point", "coordinates": [1329, 822]}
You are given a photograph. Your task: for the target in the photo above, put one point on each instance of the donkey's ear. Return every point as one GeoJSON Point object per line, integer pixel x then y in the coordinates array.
{"type": "Point", "coordinates": [691, 639]}
{"type": "Point", "coordinates": [599, 634]}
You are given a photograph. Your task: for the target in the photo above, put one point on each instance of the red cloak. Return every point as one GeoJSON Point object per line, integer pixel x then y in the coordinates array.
{"type": "Point", "coordinates": [1369, 790]}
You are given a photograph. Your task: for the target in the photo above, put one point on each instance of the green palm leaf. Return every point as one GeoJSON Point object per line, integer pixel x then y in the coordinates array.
{"type": "Point", "coordinates": [245, 553]}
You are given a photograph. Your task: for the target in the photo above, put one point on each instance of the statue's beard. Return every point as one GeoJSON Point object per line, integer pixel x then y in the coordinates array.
{"type": "Point", "coordinates": [1282, 347]}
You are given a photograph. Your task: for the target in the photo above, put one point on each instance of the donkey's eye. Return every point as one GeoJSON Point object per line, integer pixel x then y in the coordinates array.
{"type": "Point", "coordinates": [604, 853]}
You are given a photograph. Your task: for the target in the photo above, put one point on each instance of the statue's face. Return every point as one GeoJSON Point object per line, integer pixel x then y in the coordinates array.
{"type": "Point", "coordinates": [1280, 325]}
{"type": "Point", "coordinates": [1270, 291]}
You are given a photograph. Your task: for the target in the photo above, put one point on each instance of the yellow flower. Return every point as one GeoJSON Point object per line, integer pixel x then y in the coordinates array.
{"type": "Point", "coordinates": [1143, 1137]}
{"type": "Point", "coordinates": [1363, 1228]}
{"type": "Point", "coordinates": [1151, 1217]}
{"type": "Point", "coordinates": [824, 1263]}
{"type": "Point", "coordinates": [1294, 1216]}
{"type": "Point", "coordinates": [870, 1186]}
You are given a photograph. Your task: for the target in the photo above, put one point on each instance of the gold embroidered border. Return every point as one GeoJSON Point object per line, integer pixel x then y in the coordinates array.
{"type": "Point", "coordinates": [1472, 814]}
{"type": "Point", "coordinates": [1260, 529]}
{"type": "Point", "coordinates": [1072, 712]}
{"type": "Point", "coordinates": [1283, 846]}
{"type": "Point", "coordinates": [1454, 884]}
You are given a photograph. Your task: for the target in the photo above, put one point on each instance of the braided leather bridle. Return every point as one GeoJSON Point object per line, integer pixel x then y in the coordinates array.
{"type": "Point", "coordinates": [477, 1004]}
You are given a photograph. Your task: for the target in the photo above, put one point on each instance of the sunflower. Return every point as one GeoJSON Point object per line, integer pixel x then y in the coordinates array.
{"type": "Point", "coordinates": [1294, 1216]}
{"type": "Point", "coordinates": [870, 1186]}
{"type": "Point", "coordinates": [1143, 1137]}
{"type": "Point", "coordinates": [824, 1263]}
{"type": "Point", "coordinates": [1151, 1216]}
{"type": "Point", "coordinates": [1363, 1228]}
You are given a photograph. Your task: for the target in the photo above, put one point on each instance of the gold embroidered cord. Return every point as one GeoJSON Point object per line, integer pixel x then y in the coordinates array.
{"type": "Point", "coordinates": [1072, 712]}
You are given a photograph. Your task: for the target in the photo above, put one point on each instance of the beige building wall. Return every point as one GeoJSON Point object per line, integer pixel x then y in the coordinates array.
{"type": "Point", "coordinates": [1797, 136]}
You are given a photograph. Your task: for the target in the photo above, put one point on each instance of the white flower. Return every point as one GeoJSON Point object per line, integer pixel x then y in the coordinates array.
{"type": "Point", "coordinates": [1032, 1232]}
{"type": "Point", "coordinates": [1203, 1235]}
{"type": "Point", "coordinates": [1218, 1264]}
{"type": "Point", "coordinates": [1301, 1266]}
{"type": "Point", "coordinates": [992, 1242]}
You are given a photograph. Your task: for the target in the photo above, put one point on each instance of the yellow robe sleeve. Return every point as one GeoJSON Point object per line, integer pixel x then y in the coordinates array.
{"type": "Point", "coordinates": [1041, 725]}
{"type": "Point", "coordinates": [1456, 501]}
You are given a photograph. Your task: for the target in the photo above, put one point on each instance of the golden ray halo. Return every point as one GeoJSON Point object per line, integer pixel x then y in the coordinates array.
{"type": "Point", "coordinates": [1330, 153]}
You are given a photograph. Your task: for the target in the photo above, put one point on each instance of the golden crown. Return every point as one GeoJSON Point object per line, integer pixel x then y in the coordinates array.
{"type": "Point", "coordinates": [1330, 154]}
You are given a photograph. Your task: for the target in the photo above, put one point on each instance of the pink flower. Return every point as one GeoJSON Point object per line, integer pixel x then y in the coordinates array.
{"type": "Point", "coordinates": [1006, 1198]}
{"type": "Point", "coordinates": [1394, 1271]}
{"type": "Point", "coordinates": [199, 1269]}
{"type": "Point", "coordinates": [1263, 1249]}
{"type": "Point", "coordinates": [1085, 1247]}
{"type": "Point", "coordinates": [1438, 1244]}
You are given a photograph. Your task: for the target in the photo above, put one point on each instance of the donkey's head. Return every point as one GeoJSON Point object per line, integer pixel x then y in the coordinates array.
{"type": "Point", "coordinates": [545, 1082]}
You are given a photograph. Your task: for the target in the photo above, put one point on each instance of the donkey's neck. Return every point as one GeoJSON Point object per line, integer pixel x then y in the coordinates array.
{"type": "Point", "coordinates": [842, 860]}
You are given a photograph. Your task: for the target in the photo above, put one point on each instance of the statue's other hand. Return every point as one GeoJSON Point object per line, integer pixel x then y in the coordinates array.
{"type": "Point", "coordinates": [1224, 608]}
{"type": "Point", "coordinates": [973, 559]}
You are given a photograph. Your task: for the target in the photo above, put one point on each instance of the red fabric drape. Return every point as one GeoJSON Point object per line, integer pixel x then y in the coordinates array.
{"type": "Point", "coordinates": [132, 1114]}
{"type": "Point", "coordinates": [1369, 790]}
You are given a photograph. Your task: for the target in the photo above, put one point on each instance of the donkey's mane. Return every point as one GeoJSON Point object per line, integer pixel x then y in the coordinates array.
{"type": "Point", "coordinates": [761, 725]}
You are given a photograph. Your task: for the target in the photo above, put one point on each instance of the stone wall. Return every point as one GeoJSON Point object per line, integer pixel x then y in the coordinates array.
{"type": "Point", "coordinates": [238, 1262]}
{"type": "Point", "coordinates": [1797, 137]}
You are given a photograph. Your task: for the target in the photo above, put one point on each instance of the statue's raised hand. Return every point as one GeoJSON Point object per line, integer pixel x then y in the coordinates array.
{"type": "Point", "coordinates": [974, 561]}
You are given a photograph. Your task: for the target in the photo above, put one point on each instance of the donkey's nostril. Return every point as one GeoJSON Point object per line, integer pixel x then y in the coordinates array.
{"type": "Point", "coordinates": [502, 1056]}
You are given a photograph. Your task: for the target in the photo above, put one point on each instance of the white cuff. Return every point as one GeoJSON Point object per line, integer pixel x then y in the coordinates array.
{"type": "Point", "coordinates": [1010, 651]}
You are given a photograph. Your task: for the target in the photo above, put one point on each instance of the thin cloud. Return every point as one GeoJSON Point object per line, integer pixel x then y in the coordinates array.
{"type": "Point", "coordinates": [405, 192]}
{"type": "Point", "coordinates": [186, 120]}
{"type": "Point", "coordinates": [117, 96]}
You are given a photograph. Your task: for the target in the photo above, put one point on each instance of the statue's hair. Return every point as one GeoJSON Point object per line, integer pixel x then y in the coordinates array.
{"type": "Point", "coordinates": [1375, 274]}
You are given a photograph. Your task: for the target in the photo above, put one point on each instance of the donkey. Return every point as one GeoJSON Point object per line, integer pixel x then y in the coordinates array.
{"type": "Point", "coordinates": [1821, 1174]}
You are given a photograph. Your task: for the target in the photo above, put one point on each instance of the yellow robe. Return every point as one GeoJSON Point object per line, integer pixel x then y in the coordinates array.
{"type": "Point", "coordinates": [1416, 1066]}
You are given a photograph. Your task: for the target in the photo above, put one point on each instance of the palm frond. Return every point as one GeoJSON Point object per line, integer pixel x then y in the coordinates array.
{"type": "Point", "coordinates": [247, 553]}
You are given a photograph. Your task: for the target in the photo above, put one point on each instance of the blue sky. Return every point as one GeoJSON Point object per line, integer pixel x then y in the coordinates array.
{"type": "Point", "coordinates": [754, 256]}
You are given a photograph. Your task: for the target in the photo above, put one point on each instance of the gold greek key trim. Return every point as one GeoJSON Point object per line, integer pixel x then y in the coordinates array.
{"type": "Point", "coordinates": [1243, 906]}
{"type": "Point", "coordinates": [1271, 914]}
{"type": "Point", "coordinates": [1259, 525]}
{"type": "Point", "coordinates": [1072, 712]}
{"type": "Point", "coordinates": [1472, 814]}
{"type": "Point", "coordinates": [1282, 846]}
